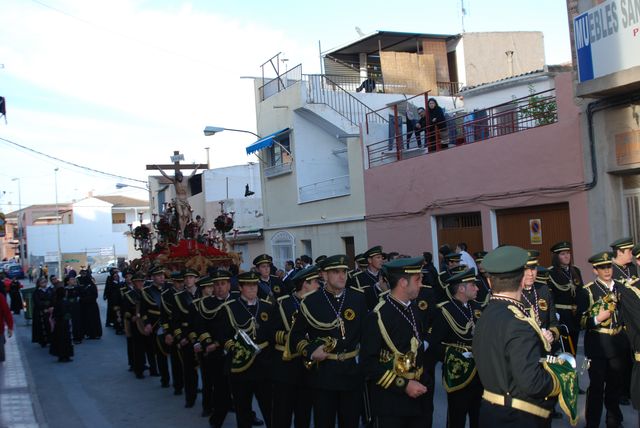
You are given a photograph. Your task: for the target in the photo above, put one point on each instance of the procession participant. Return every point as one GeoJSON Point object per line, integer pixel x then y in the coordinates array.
{"type": "Point", "coordinates": [327, 333]}
{"type": "Point", "coordinates": [246, 329]}
{"type": "Point", "coordinates": [168, 310]}
{"type": "Point", "coordinates": [429, 271]}
{"type": "Point", "coordinates": [110, 294]}
{"type": "Point", "coordinates": [42, 307]}
{"type": "Point", "coordinates": [624, 267]}
{"type": "Point", "coordinates": [133, 323]}
{"type": "Point", "coordinates": [125, 286]}
{"type": "Point", "coordinates": [517, 385]}
{"type": "Point", "coordinates": [150, 307]}
{"type": "Point", "coordinates": [61, 345]}
{"type": "Point", "coordinates": [353, 276]}
{"type": "Point", "coordinates": [293, 397]}
{"type": "Point", "coordinates": [369, 281]}
{"type": "Point", "coordinates": [92, 326]}
{"type": "Point", "coordinates": [216, 395]}
{"type": "Point", "coordinates": [565, 281]}
{"type": "Point", "coordinates": [604, 342]}
{"type": "Point", "coordinates": [74, 294]}
{"type": "Point", "coordinates": [630, 311]}
{"type": "Point", "coordinates": [451, 341]}
{"type": "Point", "coordinates": [269, 286]}
{"type": "Point", "coordinates": [392, 350]}
{"type": "Point", "coordinates": [538, 301]}
{"type": "Point", "coordinates": [452, 262]}
{"type": "Point", "coordinates": [184, 334]}
{"type": "Point", "coordinates": [636, 255]}
{"type": "Point", "coordinates": [484, 291]}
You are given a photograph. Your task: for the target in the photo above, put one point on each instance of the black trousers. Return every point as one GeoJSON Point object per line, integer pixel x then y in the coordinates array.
{"type": "Point", "coordinates": [243, 392]}
{"type": "Point", "coordinates": [206, 374]}
{"type": "Point", "coordinates": [492, 415]}
{"type": "Point", "coordinates": [399, 422]}
{"type": "Point", "coordinates": [463, 402]}
{"type": "Point", "coordinates": [605, 384]}
{"type": "Point", "coordinates": [130, 351]}
{"type": "Point", "coordinates": [221, 396]}
{"type": "Point", "coordinates": [176, 369]}
{"type": "Point", "coordinates": [138, 348]}
{"type": "Point", "coordinates": [343, 405]}
{"type": "Point", "coordinates": [160, 360]}
{"type": "Point", "coordinates": [291, 402]}
{"type": "Point", "coordinates": [190, 374]}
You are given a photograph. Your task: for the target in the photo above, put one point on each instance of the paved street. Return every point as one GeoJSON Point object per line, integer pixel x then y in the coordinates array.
{"type": "Point", "coordinates": [96, 390]}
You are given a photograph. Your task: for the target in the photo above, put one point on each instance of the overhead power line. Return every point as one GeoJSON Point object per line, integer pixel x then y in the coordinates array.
{"type": "Point", "coordinates": [71, 163]}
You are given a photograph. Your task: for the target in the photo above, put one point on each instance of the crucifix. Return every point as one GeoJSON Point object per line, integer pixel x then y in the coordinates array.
{"type": "Point", "coordinates": [183, 210]}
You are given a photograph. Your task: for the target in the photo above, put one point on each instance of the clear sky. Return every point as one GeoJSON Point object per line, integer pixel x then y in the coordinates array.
{"type": "Point", "coordinates": [116, 85]}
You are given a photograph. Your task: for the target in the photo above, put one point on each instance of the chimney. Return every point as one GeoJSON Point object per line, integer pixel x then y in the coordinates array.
{"type": "Point", "coordinates": [510, 62]}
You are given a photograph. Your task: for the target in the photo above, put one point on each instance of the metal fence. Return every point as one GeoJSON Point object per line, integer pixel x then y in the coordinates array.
{"type": "Point", "coordinates": [518, 115]}
{"type": "Point", "coordinates": [281, 82]}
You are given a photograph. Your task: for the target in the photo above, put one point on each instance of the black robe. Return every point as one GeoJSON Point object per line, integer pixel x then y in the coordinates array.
{"type": "Point", "coordinates": [40, 329]}
{"type": "Point", "coordinates": [90, 310]}
{"type": "Point", "coordinates": [61, 345]}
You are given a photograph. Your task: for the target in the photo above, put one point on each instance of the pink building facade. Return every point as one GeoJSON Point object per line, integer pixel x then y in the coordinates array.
{"type": "Point", "coordinates": [524, 188]}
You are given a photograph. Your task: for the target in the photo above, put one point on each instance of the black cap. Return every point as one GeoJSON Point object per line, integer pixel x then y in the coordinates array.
{"type": "Point", "coordinates": [622, 243]}
{"type": "Point", "coordinates": [361, 260]}
{"type": "Point", "coordinates": [248, 277]}
{"type": "Point", "coordinates": [533, 258]}
{"type": "Point", "coordinates": [190, 272]}
{"type": "Point", "coordinates": [138, 276]}
{"type": "Point", "coordinates": [177, 276]}
{"type": "Point", "coordinates": [561, 246]}
{"type": "Point", "coordinates": [373, 251]}
{"type": "Point", "coordinates": [542, 274]}
{"type": "Point", "coordinates": [262, 258]}
{"type": "Point", "coordinates": [636, 251]}
{"type": "Point", "coordinates": [404, 265]}
{"type": "Point", "coordinates": [220, 274]}
{"type": "Point", "coordinates": [452, 257]}
{"type": "Point", "coordinates": [204, 281]}
{"type": "Point", "coordinates": [479, 256]}
{"type": "Point", "coordinates": [320, 259]}
{"type": "Point", "coordinates": [338, 261]}
{"type": "Point", "coordinates": [467, 275]}
{"type": "Point", "coordinates": [156, 270]}
{"type": "Point", "coordinates": [602, 258]}
{"type": "Point", "coordinates": [306, 274]}
{"type": "Point", "coordinates": [505, 259]}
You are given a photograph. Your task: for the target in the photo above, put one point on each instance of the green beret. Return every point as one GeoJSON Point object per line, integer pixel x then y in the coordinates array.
{"type": "Point", "coordinates": [404, 265]}
{"type": "Point", "coordinates": [338, 261]}
{"type": "Point", "coordinates": [561, 246]}
{"type": "Point", "coordinates": [505, 259]}
{"type": "Point", "coordinates": [373, 251]}
{"type": "Point", "coordinates": [220, 274]}
{"type": "Point", "coordinates": [602, 258]}
{"type": "Point", "coordinates": [262, 258]}
{"type": "Point", "coordinates": [622, 243]}
{"type": "Point", "coordinates": [248, 277]}
{"type": "Point", "coordinates": [306, 274]}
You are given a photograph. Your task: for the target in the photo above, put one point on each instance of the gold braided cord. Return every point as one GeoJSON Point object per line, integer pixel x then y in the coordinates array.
{"type": "Point", "coordinates": [383, 329]}
{"type": "Point", "coordinates": [315, 323]}
{"type": "Point", "coordinates": [205, 311]}
{"type": "Point", "coordinates": [283, 315]}
{"type": "Point", "coordinates": [249, 327]}
{"type": "Point", "coordinates": [522, 317]}
{"type": "Point", "coordinates": [570, 286]}
{"type": "Point", "coordinates": [179, 303]}
{"type": "Point", "coordinates": [460, 331]}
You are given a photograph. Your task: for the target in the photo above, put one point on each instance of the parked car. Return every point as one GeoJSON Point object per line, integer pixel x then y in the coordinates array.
{"type": "Point", "coordinates": [14, 271]}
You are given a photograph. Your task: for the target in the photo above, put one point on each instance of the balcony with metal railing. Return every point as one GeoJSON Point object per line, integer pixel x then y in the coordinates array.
{"type": "Point", "coordinates": [518, 115]}
{"type": "Point", "coordinates": [325, 189]}
{"type": "Point", "coordinates": [281, 82]}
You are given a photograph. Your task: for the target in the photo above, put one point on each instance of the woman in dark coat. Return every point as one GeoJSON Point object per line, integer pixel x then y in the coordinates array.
{"type": "Point", "coordinates": [436, 123]}
{"type": "Point", "coordinates": [16, 297]}
{"type": "Point", "coordinates": [61, 345]}
{"type": "Point", "coordinates": [90, 310]}
{"type": "Point", "coordinates": [74, 295]}
{"type": "Point", "coordinates": [110, 294]}
{"type": "Point", "coordinates": [42, 307]}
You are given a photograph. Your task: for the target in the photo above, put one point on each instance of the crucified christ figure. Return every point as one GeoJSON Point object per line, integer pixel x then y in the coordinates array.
{"type": "Point", "coordinates": [183, 209]}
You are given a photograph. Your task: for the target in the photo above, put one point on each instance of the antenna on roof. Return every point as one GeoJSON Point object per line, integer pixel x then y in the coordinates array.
{"type": "Point", "coordinates": [463, 13]}
{"type": "Point", "coordinates": [359, 31]}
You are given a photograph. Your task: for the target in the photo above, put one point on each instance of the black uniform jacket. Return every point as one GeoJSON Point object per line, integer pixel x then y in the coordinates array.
{"type": "Point", "coordinates": [318, 319]}
{"type": "Point", "coordinates": [541, 306]}
{"type": "Point", "coordinates": [287, 367]}
{"type": "Point", "coordinates": [630, 310]}
{"type": "Point", "coordinates": [507, 348]}
{"type": "Point", "coordinates": [273, 287]}
{"type": "Point", "coordinates": [388, 331]}
{"type": "Point", "coordinates": [604, 340]}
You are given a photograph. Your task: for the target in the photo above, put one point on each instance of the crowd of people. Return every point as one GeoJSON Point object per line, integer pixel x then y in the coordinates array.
{"type": "Point", "coordinates": [338, 346]}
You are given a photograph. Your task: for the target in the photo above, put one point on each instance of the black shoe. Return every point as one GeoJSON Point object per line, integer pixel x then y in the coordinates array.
{"type": "Point", "coordinates": [556, 415]}
{"type": "Point", "coordinates": [177, 392]}
{"type": "Point", "coordinates": [624, 401]}
{"type": "Point", "coordinates": [257, 422]}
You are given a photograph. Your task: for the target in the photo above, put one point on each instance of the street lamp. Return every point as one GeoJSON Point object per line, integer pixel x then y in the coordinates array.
{"type": "Point", "coordinates": [212, 130]}
{"type": "Point", "coordinates": [55, 175]}
{"type": "Point", "coordinates": [123, 185]}
{"type": "Point", "coordinates": [19, 221]}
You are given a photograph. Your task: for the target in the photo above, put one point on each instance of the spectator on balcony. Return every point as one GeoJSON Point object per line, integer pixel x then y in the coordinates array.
{"type": "Point", "coordinates": [412, 120]}
{"type": "Point", "coordinates": [369, 85]}
{"type": "Point", "coordinates": [420, 126]}
{"type": "Point", "coordinates": [436, 124]}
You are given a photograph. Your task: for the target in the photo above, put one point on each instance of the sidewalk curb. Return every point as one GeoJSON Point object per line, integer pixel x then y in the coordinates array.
{"type": "Point", "coordinates": [35, 401]}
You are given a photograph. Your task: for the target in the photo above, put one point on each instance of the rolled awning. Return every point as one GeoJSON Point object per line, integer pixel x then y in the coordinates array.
{"type": "Point", "coordinates": [267, 141]}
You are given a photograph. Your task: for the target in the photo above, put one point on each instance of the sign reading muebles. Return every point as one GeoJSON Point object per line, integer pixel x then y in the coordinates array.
{"type": "Point", "coordinates": [607, 38]}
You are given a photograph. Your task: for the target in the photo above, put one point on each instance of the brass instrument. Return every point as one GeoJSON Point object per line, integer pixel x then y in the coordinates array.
{"type": "Point", "coordinates": [328, 344]}
{"type": "Point", "coordinates": [247, 341]}
{"type": "Point", "coordinates": [607, 302]}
